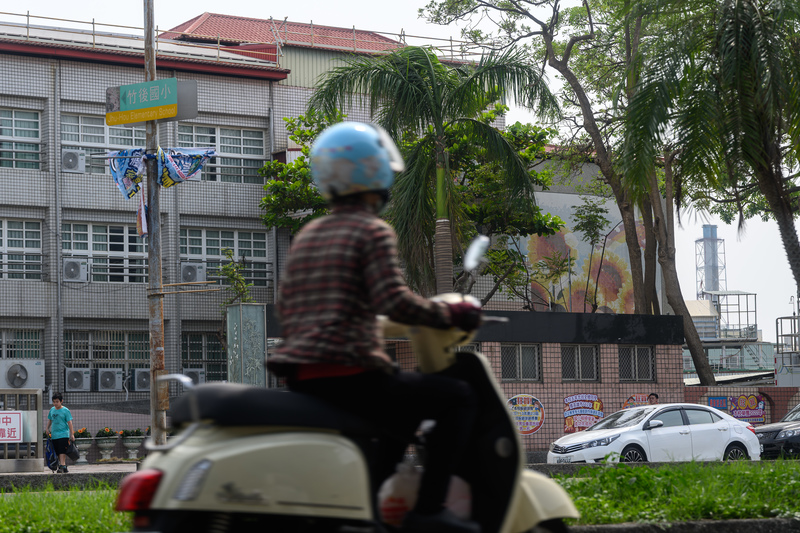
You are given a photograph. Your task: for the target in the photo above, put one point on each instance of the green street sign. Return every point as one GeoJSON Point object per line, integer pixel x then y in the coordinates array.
{"type": "Point", "coordinates": [137, 102]}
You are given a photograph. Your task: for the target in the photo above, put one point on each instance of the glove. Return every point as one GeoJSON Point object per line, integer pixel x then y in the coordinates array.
{"type": "Point", "coordinates": [465, 315]}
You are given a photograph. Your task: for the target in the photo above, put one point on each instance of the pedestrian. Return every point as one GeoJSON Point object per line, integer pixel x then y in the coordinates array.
{"type": "Point", "coordinates": [342, 271]}
{"type": "Point", "coordinates": [652, 399]}
{"type": "Point", "coordinates": [60, 419]}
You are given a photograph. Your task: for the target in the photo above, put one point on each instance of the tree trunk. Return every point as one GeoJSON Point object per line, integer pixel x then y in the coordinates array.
{"type": "Point", "coordinates": [650, 260]}
{"type": "Point", "coordinates": [665, 233]}
{"type": "Point", "coordinates": [443, 256]}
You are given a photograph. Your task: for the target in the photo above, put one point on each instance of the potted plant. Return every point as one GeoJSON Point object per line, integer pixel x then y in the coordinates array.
{"type": "Point", "coordinates": [132, 440]}
{"type": "Point", "coordinates": [106, 439]}
{"type": "Point", "coordinates": [83, 441]}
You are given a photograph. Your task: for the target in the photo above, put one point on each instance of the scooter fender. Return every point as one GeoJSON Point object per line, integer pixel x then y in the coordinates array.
{"type": "Point", "coordinates": [539, 499]}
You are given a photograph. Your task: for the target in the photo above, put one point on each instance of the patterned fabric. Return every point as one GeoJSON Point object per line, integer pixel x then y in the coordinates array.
{"type": "Point", "coordinates": [341, 272]}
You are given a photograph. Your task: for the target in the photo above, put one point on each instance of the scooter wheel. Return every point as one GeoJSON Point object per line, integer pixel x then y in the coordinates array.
{"type": "Point", "coordinates": [551, 526]}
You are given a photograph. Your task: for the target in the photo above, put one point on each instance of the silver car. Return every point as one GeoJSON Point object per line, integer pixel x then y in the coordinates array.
{"type": "Point", "coordinates": [667, 432]}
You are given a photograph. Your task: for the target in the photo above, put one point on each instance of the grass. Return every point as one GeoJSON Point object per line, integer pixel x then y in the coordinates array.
{"type": "Point", "coordinates": [79, 510]}
{"type": "Point", "coordinates": [685, 491]}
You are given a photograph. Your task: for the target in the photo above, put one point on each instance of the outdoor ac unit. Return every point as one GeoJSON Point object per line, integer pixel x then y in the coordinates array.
{"type": "Point", "coordinates": [141, 379]}
{"type": "Point", "coordinates": [198, 375]}
{"type": "Point", "coordinates": [78, 379]}
{"type": "Point", "coordinates": [76, 269]}
{"type": "Point", "coordinates": [108, 379]}
{"type": "Point", "coordinates": [22, 374]}
{"type": "Point", "coordinates": [192, 272]}
{"type": "Point", "coordinates": [73, 161]}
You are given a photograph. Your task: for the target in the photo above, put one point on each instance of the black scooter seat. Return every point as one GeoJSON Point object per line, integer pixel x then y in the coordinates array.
{"type": "Point", "coordinates": [231, 404]}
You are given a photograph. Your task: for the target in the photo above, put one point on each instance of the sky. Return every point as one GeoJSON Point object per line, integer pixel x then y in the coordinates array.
{"type": "Point", "coordinates": [755, 260]}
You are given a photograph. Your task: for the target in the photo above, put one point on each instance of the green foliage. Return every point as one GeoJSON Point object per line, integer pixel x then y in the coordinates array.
{"type": "Point", "coordinates": [292, 200]}
{"type": "Point", "coordinates": [685, 491]}
{"type": "Point", "coordinates": [235, 282]}
{"type": "Point", "coordinates": [78, 510]}
{"type": "Point", "coordinates": [590, 219]}
{"type": "Point", "coordinates": [106, 432]}
{"type": "Point", "coordinates": [131, 433]}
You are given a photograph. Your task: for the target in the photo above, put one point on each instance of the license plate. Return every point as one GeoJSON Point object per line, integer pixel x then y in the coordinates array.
{"type": "Point", "coordinates": [563, 459]}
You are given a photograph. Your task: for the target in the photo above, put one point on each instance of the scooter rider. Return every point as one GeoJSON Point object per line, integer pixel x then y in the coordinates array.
{"type": "Point", "coordinates": [342, 271]}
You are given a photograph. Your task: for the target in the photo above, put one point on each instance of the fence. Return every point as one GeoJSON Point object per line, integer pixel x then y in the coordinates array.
{"type": "Point", "coordinates": [21, 430]}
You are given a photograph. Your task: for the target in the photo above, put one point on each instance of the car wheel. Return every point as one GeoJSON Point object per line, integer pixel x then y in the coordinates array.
{"type": "Point", "coordinates": [735, 452]}
{"type": "Point", "coordinates": [551, 526]}
{"type": "Point", "coordinates": [632, 454]}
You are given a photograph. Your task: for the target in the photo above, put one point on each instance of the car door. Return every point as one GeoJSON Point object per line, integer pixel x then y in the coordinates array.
{"type": "Point", "coordinates": [673, 440]}
{"type": "Point", "coordinates": [710, 434]}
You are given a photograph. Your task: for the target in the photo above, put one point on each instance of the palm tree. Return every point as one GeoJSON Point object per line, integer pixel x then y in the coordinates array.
{"type": "Point", "coordinates": [412, 93]}
{"type": "Point", "coordinates": [726, 94]}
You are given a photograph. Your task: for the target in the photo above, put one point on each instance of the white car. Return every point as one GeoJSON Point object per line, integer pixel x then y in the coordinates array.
{"type": "Point", "coordinates": [666, 432]}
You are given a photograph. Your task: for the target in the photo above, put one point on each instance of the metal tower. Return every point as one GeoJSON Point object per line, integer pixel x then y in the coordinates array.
{"type": "Point", "coordinates": [710, 263]}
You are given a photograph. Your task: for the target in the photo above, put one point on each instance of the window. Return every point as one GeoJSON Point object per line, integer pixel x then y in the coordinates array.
{"type": "Point", "coordinates": [203, 350]}
{"type": "Point", "coordinates": [19, 139]}
{"type": "Point", "coordinates": [579, 363]}
{"type": "Point", "coordinates": [107, 349]}
{"type": "Point", "coordinates": [20, 249]}
{"type": "Point", "coordinates": [701, 416]}
{"type": "Point", "coordinates": [636, 363]}
{"type": "Point", "coordinates": [20, 344]}
{"type": "Point", "coordinates": [208, 246]}
{"type": "Point", "coordinates": [670, 419]}
{"type": "Point", "coordinates": [240, 152]}
{"type": "Point", "coordinates": [117, 253]}
{"type": "Point", "coordinates": [520, 362]}
{"type": "Point", "coordinates": [90, 134]}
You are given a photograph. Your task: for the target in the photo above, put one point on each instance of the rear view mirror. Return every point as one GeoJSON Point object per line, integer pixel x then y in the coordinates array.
{"type": "Point", "coordinates": [475, 252]}
{"type": "Point", "coordinates": [654, 424]}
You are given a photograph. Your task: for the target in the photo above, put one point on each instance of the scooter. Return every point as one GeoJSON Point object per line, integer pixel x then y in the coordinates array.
{"type": "Point", "coordinates": [249, 457]}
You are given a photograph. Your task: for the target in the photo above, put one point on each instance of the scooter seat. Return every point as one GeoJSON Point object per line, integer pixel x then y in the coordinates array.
{"type": "Point", "coordinates": [231, 404]}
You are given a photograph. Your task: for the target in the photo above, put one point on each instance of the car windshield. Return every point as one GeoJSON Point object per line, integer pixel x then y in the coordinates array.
{"type": "Point", "coordinates": [622, 419]}
{"type": "Point", "coordinates": [793, 415]}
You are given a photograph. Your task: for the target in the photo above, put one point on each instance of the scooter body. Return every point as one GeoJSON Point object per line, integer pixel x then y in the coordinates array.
{"type": "Point", "coordinates": [250, 457]}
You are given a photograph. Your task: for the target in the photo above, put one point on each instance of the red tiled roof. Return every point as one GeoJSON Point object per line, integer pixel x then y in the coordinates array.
{"type": "Point", "coordinates": [231, 29]}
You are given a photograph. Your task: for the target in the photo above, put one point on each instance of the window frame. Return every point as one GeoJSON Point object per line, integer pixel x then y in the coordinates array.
{"type": "Point", "coordinates": [25, 260]}
{"type": "Point", "coordinates": [206, 245]}
{"type": "Point", "coordinates": [634, 363]}
{"type": "Point", "coordinates": [519, 367]}
{"type": "Point", "coordinates": [101, 349]}
{"type": "Point", "coordinates": [213, 358]}
{"type": "Point", "coordinates": [215, 168]}
{"type": "Point", "coordinates": [10, 133]}
{"type": "Point", "coordinates": [579, 374]}
{"type": "Point", "coordinates": [28, 346]}
{"type": "Point", "coordinates": [124, 259]}
{"type": "Point", "coordinates": [91, 146]}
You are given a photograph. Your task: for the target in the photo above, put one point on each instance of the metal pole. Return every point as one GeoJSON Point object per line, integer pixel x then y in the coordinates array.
{"type": "Point", "coordinates": [159, 390]}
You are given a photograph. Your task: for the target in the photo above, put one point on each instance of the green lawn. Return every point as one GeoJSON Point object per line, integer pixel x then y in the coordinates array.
{"type": "Point", "coordinates": [686, 491]}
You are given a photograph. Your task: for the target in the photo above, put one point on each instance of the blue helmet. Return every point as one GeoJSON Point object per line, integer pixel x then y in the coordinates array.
{"type": "Point", "coordinates": [353, 157]}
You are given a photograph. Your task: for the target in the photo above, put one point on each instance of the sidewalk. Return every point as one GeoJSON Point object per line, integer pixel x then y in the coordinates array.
{"type": "Point", "coordinates": [87, 475]}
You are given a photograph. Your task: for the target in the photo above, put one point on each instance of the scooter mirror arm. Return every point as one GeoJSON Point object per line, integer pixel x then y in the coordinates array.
{"type": "Point", "coordinates": [177, 441]}
{"type": "Point", "coordinates": [187, 382]}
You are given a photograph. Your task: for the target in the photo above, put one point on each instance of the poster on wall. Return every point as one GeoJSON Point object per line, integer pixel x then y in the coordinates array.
{"type": "Point", "coordinates": [528, 413]}
{"type": "Point", "coordinates": [747, 408]}
{"type": "Point", "coordinates": [581, 411]}
{"type": "Point", "coordinates": [635, 400]}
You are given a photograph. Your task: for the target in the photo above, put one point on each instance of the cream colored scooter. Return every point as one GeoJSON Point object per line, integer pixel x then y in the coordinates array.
{"type": "Point", "coordinates": [252, 459]}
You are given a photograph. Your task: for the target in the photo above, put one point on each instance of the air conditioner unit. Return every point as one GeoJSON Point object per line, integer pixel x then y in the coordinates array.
{"type": "Point", "coordinates": [22, 374]}
{"type": "Point", "coordinates": [73, 161]}
{"type": "Point", "coordinates": [192, 272]}
{"type": "Point", "coordinates": [198, 375]}
{"type": "Point", "coordinates": [75, 269]}
{"type": "Point", "coordinates": [141, 379]}
{"type": "Point", "coordinates": [78, 379]}
{"type": "Point", "coordinates": [108, 379]}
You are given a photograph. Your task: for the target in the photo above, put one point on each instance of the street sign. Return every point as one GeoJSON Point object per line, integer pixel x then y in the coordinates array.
{"type": "Point", "coordinates": [137, 102]}
{"type": "Point", "coordinates": [187, 103]}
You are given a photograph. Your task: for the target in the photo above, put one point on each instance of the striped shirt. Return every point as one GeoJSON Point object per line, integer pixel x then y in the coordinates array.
{"type": "Point", "coordinates": [342, 271]}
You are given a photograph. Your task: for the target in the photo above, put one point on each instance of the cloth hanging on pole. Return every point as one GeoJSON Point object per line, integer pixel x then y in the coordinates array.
{"type": "Point", "coordinates": [141, 217]}
{"type": "Point", "coordinates": [176, 165]}
{"type": "Point", "coordinates": [127, 168]}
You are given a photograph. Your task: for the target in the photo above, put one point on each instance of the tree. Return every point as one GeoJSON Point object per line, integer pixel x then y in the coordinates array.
{"type": "Point", "coordinates": [724, 94]}
{"type": "Point", "coordinates": [292, 200]}
{"type": "Point", "coordinates": [411, 92]}
{"type": "Point", "coordinates": [600, 65]}
{"type": "Point", "coordinates": [590, 220]}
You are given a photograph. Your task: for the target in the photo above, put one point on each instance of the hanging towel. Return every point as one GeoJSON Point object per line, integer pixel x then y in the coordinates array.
{"type": "Point", "coordinates": [127, 168]}
{"type": "Point", "coordinates": [176, 165]}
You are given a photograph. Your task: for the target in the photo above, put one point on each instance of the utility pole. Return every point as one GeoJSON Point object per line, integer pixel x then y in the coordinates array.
{"type": "Point", "coordinates": [159, 390]}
